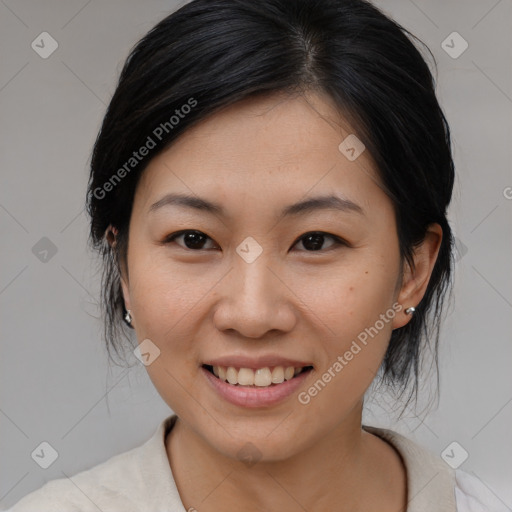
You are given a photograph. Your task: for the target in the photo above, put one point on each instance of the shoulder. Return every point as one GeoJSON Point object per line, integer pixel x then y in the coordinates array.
{"type": "Point", "coordinates": [128, 481]}
{"type": "Point", "coordinates": [430, 481]}
{"type": "Point", "coordinates": [473, 495]}
{"type": "Point", "coordinates": [434, 485]}
{"type": "Point", "coordinates": [102, 486]}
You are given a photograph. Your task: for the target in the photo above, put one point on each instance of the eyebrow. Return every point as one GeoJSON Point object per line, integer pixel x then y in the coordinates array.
{"type": "Point", "coordinates": [329, 202]}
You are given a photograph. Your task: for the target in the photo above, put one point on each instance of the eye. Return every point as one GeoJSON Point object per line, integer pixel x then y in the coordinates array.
{"type": "Point", "coordinates": [314, 240]}
{"type": "Point", "coordinates": [196, 240]}
{"type": "Point", "coordinates": [192, 239]}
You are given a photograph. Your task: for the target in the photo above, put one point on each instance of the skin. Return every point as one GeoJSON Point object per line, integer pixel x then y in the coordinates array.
{"type": "Point", "coordinates": [256, 157]}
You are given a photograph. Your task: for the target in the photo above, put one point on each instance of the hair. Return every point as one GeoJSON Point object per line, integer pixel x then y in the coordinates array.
{"type": "Point", "coordinates": [210, 54]}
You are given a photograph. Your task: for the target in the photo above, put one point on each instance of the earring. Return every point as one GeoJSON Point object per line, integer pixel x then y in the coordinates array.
{"type": "Point", "coordinates": [410, 311]}
{"type": "Point", "coordinates": [128, 317]}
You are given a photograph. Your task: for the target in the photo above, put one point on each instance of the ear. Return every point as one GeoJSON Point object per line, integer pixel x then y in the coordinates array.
{"type": "Point", "coordinates": [110, 236]}
{"type": "Point", "coordinates": [415, 280]}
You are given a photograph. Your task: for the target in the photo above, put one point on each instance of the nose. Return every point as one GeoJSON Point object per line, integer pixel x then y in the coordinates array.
{"type": "Point", "coordinates": [254, 300]}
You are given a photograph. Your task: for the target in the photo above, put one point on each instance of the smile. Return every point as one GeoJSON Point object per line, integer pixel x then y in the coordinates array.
{"type": "Point", "coordinates": [260, 377]}
{"type": "Point", "coordinates": [260, 386]}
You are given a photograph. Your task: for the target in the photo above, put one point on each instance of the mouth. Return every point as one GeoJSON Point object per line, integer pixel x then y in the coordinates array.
{"type": "Point", "coordinates": [265, 377]}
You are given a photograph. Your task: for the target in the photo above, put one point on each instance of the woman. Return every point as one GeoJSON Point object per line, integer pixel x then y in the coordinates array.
{"type": "Point", "coordinates": [269, 193]}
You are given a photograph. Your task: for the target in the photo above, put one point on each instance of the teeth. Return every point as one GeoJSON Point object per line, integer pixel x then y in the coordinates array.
{"type": "Point", "coordinates": [246, 377]}
{"type": "Point", "coordinates": [278, 375]}
{"type": "Point", "coordinates": [262, 377]}
{"type": "Point", "coordinates": [232, 375]}
{"type": "Point", "coordinates": [288, 373]}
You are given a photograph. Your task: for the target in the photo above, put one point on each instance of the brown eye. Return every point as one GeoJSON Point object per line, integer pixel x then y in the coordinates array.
{"type": "Point", "coordinates": [314, 241]}
{"type": "Point", "coordinates": [192, 239]}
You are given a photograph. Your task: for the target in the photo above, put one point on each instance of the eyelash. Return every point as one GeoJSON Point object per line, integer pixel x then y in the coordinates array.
{"type": "Point", "coordinates": [338, 241]}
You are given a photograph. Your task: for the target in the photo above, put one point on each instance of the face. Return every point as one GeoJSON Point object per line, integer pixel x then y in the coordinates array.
{"type": "Point", "coordinates": [254, 283]}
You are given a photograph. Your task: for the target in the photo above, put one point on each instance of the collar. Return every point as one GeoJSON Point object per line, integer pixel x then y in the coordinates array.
{"type": "Point", "coordinates": [430, 481]}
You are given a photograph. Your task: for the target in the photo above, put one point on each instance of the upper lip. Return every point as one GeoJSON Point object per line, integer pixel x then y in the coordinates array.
{"type": "Point", "coordinates": [256, 362]}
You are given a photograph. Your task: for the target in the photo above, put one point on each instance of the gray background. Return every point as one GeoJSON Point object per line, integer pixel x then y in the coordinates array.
{"type": "Point", "coordinates": [56, 384]}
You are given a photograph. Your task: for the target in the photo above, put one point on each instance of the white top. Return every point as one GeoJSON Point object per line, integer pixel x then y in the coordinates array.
{"type": "Point", "coordinates": [141, 480]}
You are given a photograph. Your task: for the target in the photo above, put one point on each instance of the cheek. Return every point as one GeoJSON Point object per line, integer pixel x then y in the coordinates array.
{"type": "Point", "coordinates": [163, 291]}
{"type": "Point", "coordinates": [166, 302]}
{"type": "Point", "coordinates": [355, 309]}
{"type": "Point", "coordinates": [351, 298]}
{"type": "Point", "coordinates": [359, 317]}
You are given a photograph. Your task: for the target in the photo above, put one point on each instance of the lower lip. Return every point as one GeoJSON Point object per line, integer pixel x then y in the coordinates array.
{"type": "Point", "coordinates": [245, 396]}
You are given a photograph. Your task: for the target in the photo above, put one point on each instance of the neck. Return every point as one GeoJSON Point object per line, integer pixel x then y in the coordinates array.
{"type": "Point", "coordinates": [346, 470]}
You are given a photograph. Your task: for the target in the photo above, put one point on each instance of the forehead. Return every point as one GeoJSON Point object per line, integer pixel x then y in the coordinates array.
{"type": "Point", "coordinates": [275, 147]}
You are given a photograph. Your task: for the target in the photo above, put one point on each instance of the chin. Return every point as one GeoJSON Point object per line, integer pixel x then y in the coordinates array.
{"type": "Point", "coordinates": [256, 439]}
